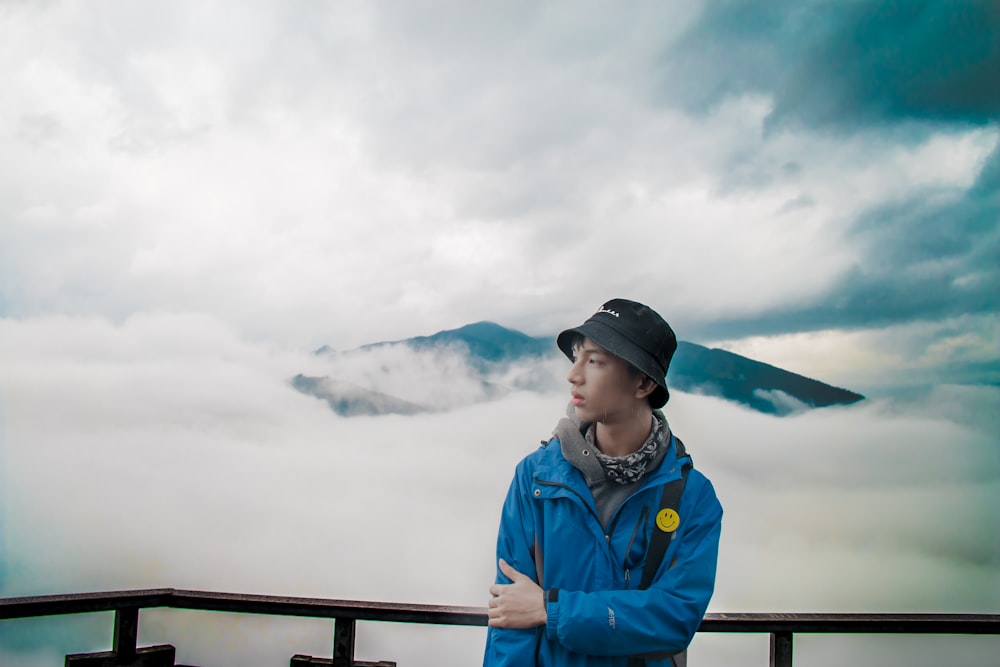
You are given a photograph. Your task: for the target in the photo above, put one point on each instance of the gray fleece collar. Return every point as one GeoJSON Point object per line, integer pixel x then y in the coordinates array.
{"type": "Point", "coordinates": [570, 432]}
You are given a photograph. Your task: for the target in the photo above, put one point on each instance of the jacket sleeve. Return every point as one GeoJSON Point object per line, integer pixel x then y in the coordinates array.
{"type": "Point", "coordinates": [515, 541]}
{"type": "Point", "coordinates": [662, 618]}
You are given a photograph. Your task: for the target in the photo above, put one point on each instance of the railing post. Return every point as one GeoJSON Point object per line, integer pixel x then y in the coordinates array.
{"type": "Point", "coordinates": [124, 651]}
{"type": "Point", "coordinates": [343, 649]}
{"type": "Point", "coordinates": [343, 642]}
{"type": "Point", "coordinates": [126, 633]}
{"type": "Point", "coordinates": [781, 649]}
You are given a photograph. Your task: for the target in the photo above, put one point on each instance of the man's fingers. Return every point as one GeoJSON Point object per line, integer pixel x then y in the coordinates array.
{"type": "Point", "coordinates": [494, 614]}
{"type": "Point", "coordinates": [519, 604]}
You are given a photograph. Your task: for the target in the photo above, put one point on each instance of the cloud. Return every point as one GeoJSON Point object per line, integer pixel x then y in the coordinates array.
{"type": "Point", "coordinates": [438, 378]}
{"type": "Point", "coordinates": [342, 174]}
{"type": "Point", "coordinates": [171, 451]}
{"type": "Point", "coordinates": [783, 403]}
{"type": "Point", "coordinates": [846, 68]}
{"type": "Point", "coordinates": [928, 255]}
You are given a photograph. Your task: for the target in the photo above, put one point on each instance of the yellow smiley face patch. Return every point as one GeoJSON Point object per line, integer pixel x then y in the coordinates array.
{"type": "Point", "coordinates": [668, 520]}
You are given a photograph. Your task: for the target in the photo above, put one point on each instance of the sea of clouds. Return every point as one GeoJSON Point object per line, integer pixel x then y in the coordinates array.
{"type": "Point", "coordinates": [168, 451]}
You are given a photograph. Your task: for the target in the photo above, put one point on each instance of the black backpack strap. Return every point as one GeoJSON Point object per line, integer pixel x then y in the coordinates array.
{"type": "Point", "coordinates": [666, 523]}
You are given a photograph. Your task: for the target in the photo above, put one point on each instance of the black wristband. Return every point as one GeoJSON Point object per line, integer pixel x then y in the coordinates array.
{"type": "Point", "coordinates": [552, 595]}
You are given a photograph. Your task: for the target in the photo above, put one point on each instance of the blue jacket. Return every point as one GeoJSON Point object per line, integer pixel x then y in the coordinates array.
{"type": "Point", "coordinates": [549, 529]}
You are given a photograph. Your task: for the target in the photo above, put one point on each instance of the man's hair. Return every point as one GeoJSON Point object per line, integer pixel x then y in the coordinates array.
{"type": "Point", "coordinates": [576, 340]}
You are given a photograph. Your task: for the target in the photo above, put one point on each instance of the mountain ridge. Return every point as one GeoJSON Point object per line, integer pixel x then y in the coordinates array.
{"type": "Point", "coordinates": [484, 339]}
{"type": "Point", "coordinates": [488, 348]}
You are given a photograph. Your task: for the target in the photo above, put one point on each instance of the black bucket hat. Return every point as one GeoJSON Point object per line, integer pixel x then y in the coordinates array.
{"type": "Point", "coordinates": [634, 332]}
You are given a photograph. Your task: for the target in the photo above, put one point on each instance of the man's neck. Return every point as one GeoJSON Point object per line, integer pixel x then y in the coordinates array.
{"type": "Point", "coordinates": [624, 437]}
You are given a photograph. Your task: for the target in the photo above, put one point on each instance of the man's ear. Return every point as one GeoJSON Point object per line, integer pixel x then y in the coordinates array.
{"type": "Point", "coordinates": [646, 387]}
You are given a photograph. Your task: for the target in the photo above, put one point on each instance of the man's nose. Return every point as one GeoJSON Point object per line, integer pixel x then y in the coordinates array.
{"type": "Point", "coordinates": [573, 376]}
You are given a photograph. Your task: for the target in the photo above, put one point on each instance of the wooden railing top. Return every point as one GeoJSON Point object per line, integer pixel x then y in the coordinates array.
{"type": "Point", "coordinates": [75, 603]}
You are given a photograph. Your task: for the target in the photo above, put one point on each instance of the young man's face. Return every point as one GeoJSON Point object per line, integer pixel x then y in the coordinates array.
{"type": "Point", "coordinates": [604, 388]}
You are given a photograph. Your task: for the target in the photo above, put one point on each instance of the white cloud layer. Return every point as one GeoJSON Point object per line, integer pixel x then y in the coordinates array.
{"type": "Point", "coordinates": [356, 172]}
{"type": "Point", "coordinates": [170, 451]}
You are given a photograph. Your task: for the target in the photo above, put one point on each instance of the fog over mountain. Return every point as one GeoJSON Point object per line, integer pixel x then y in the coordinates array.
{"type": "Point", "coordinates": [169, 451]}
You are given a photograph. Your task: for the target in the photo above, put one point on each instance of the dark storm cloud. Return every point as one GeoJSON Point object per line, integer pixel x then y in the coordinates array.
{"type": "Point", "coordinates": [843, 65]}
{"type": "Point", "coordinates": [929, 258]}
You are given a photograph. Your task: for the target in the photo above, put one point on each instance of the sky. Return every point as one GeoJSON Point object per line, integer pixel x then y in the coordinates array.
{"type": "Point", "coordinates": [194, 196]}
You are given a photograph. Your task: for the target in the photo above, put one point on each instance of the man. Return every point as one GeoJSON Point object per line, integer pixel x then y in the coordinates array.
{"type": "Point", "coordinates": [577, 528]}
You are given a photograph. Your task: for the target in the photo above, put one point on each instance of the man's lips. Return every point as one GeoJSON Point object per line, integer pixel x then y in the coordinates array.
{"type": "Point", "coordinates": [577, 398]}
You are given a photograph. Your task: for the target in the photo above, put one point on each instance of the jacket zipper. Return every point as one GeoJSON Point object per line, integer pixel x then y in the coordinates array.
{"type": "Point", "coordinates": [611, 527]}
{"type": "Point", "coordinates": [631, 541]}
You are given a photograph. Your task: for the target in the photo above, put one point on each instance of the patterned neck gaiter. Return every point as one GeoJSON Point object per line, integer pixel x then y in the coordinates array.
{"type": "Point", "coordinates": [630, 468]}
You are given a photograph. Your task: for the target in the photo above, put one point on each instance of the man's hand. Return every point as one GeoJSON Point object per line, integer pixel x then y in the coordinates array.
{"type": "Point", "coordinates": [520, 604]}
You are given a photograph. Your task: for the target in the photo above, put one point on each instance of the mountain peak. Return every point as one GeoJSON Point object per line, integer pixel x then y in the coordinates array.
{"type": "Point", "coordinates": [486, 341]}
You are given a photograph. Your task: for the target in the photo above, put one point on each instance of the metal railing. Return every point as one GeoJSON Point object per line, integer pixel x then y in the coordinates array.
{"type": "Point", "coordinates": [346, 614]}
